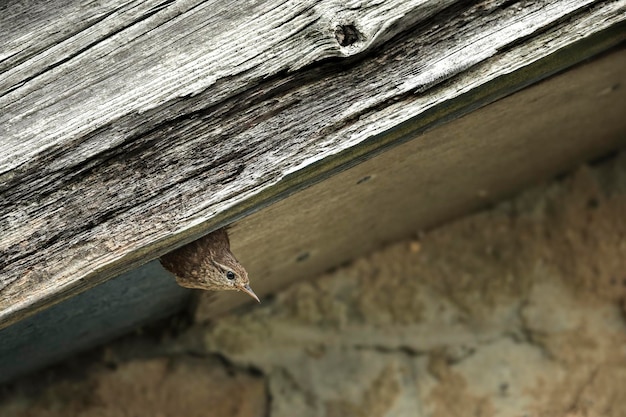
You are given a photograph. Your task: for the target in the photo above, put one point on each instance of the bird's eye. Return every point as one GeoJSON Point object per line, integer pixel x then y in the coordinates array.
{"type": "Point", "coordinates": [230, 275]}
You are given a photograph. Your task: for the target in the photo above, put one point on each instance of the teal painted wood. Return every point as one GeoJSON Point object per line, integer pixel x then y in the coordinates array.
{"type": "Point", "coordinates": [93, 317]}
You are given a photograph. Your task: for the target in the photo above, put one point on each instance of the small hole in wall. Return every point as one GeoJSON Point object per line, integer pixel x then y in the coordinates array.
{"type": "Point", "coordinates": [346, 35]}
{"type": "Point", "coordinates": [364, 179]}
{"type": "Point", "coordinates": [303, 257]}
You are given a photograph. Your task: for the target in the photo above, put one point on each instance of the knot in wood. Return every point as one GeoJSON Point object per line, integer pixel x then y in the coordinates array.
{"type": "Point", "coordinates": [346, 35]}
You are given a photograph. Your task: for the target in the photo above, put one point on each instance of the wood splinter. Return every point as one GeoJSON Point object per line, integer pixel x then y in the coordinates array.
{"type": "Point", "coordinates": [208, 264]}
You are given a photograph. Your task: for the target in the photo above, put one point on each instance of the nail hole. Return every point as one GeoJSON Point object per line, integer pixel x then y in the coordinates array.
{"type": "Point", "coordinates": [364, 179]}
{"type": "Point", "coordinates": [609, 90]}
{"type": "Point", "coordinates": [346, 35]}
{"type": "Point", "coordinates": [111, 365]}
{"type": "Point", "coordinates": [593, 203]}
{"type": "Point", "coordinates": [303, 257]}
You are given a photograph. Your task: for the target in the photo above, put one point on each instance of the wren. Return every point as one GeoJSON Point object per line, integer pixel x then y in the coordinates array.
{"type": "Point", "coordinates": [208, 264]}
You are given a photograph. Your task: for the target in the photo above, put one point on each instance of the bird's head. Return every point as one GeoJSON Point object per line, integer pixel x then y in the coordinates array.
{"type": "Point", "coordinates": [219, 272]}
{"type": "Point", "coordinates": [208, 264]}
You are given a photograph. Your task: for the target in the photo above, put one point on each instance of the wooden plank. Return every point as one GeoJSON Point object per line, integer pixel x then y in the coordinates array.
{"type": "Point", "coordinates": [147, 135]}
{"type": "Point", "coordinates": [449, 171]}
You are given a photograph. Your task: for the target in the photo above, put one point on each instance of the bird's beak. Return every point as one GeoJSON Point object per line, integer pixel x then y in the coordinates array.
{"type": "Point", "coordinates": [248, 290]}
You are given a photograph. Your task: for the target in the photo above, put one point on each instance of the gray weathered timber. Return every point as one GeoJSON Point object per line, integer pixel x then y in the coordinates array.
{"type": "Point", "coordinates": [150, 124]}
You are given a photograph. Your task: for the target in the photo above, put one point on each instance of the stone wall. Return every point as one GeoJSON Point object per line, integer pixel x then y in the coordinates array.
{"type": "Point", "coordinates": [518, 310]}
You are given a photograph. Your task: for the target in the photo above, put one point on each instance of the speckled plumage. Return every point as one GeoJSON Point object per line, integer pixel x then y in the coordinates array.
{"type": "Point", "coordinates": [208, 264]}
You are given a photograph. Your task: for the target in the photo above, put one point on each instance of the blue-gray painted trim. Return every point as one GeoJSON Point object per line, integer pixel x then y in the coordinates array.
{"type": "Point", "coordinates": [88, 319]}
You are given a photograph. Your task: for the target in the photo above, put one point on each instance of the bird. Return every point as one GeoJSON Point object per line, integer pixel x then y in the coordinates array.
{"type": "Point", "coordinates": [208, 264]}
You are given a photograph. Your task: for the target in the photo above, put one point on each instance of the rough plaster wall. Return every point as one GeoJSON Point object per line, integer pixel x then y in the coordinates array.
{"type": "Point", "coordinates": [514, 311]}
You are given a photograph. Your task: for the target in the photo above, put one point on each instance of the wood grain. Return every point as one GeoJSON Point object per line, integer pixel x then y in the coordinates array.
{"type": "Point", "coordinates": [132, 128]}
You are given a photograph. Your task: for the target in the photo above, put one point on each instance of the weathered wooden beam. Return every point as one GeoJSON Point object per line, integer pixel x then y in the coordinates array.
{"type": "Point", "coordinates": [150, 124]}
{"type": "Point", "coordinates": [447, 172]}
